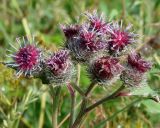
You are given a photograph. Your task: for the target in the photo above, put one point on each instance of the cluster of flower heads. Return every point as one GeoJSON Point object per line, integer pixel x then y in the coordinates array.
{"type": "Point", "coordinates": [101, 44]}
{"type": "Point", "coordinates": [96, 42]}
{"type": "Point", "coordinates": [29, 60]}
{"type": "Point", "coordinates": [96, 35]}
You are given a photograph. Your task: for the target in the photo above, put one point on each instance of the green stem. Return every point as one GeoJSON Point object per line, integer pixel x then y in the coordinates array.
{"type": "Point", "coordinates": [85, 110]}
{"type": "Point", "coordinates": [104, 99]}
{"type": "Point", "coordinates": [72, 110]}
{"type": "Point", "coordinates": [55, 93]}
{"type": "Point", "coordinates": [83, 106]}
{"type": "Point", "coordinates": [90, 88]}
{"type": "Point", "coordinates": [78, 74]}
{"type": "Point", "coordinates": [74, 95]}
{"type": "Point", "coordinates": [77, 88]}
{"type": "Point", "coordinates": [17, 123]}
{"type": "Point", "coordinates": [73, 98]}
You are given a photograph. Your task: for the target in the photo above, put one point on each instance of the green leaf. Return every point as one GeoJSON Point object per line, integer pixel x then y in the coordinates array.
{"type": "Point", "coordinates": [4, 99]}
{"type": "Point", "coordinates": [152, 106]}
{"type": "Point", "coordinates": [145, 91]}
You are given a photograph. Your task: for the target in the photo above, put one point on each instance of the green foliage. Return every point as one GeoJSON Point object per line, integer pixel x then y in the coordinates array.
{"type": "Point", "coordinates": [27, 102]}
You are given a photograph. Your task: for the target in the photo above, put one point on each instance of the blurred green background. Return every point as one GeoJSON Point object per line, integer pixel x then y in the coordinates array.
{"type": "Point", "coordinates": [27, 102]}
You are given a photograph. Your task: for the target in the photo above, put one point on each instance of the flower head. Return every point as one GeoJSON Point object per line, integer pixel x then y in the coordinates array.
{"type": "Point", "coordinates": [70, 31]}
{"type": "Point", "coordinates": [60, 66]}
{"type": "Point", "coordinates": [105, 68]}
{"type": "Point", "coordinates": [97, 22]}
{"type": "Point", "coordinates": [90, 40]}
{"type": "Point", "coordinates": [26, 58]}
{"type": "Point", "coordinates": [58, 62]}
{"type": "Point", "coordinates": [136, 62]}
{"type": "Point", "coordinates": [134, 74]}
{"type": "Point", "coordinates": [119, 38]}
{"type": "Point", "coordinates": [87, 38]}
{"type": "Point", "coordinates": [85, 43]}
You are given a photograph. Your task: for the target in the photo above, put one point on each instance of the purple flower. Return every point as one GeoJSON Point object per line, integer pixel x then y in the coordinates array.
{"type": "Point", "coordinates": [119, 38]}
{"type": "Point", "coordinates": [134, 74]}
{"type": "Point", "coordinates": [26, 58]}
{"type": "Point", "coordinates": [70, 31]}
{"type": "Point", "coordinates": [105, 68]}
{"type": "Point", "coordinates": [87, 35]}
{"type": "Point", "coordinates": [86, 39]}
{"type": "Point", "coordinates": [60, 66]}
{"type": "Point", "coordinates": [139, 64]}
{"type": "Point", "coordinates": [97, 22]}
{"type": "Point", "coordinates": [90, 40]}
{"type": "Point", "coordinates": [58, 62]}
{"type": "Point", "coordinates": [85, 43]}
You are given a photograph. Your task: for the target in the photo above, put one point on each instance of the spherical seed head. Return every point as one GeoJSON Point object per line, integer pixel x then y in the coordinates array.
{"type": "Point", "coordinates": [105, 68]}
{"type": "Point", "coordinates": [60, 68]}
{"type": "Point", "coordinates": [27, 57]}
{"type": "Point", "coordinates": [138, 63]}
{"type": "Point", "coordinates": [120, 38]}
{"type": "Point", "coordinates": [70, 31]}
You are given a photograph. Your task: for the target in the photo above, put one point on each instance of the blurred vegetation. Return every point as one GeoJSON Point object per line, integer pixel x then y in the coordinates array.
{"type": "Point", "coordinates": [26, 101]}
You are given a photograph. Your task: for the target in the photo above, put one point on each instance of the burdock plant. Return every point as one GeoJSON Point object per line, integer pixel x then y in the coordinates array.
{"type": "Point", "coordinates": [102, 47]}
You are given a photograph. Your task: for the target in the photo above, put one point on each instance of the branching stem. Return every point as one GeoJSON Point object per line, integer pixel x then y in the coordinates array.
{"type": "Point", "coordinates": [84, 110]}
